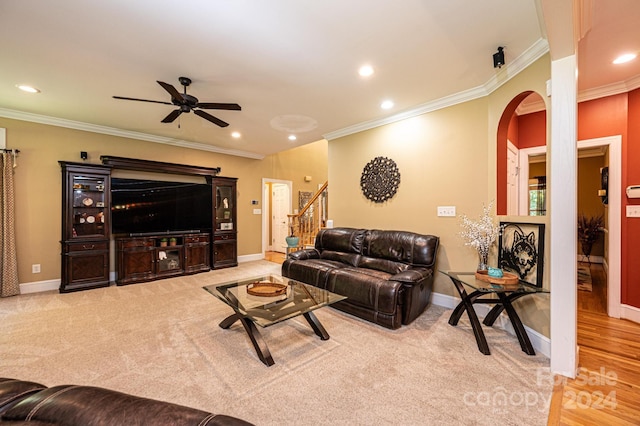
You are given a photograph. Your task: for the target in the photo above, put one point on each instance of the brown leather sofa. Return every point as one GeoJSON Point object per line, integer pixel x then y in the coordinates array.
{"type": "Point", "coordinates": [387, 276]}
{"type": "Point", "coordinates": [32, 404]}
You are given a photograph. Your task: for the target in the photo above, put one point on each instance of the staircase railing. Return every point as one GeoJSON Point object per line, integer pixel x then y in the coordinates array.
{"type": "Point", "coordinates": [311, 218]}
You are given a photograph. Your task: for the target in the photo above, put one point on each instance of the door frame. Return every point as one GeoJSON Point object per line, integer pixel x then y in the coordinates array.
{"type": "Point", "coordinates": [614, 234]}
{"type": "Point", "coordinates": [266, 203]}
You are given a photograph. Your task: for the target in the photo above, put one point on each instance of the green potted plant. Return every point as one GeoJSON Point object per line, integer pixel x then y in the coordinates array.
{"type": "Point", "coordinates": [173, 241]}
{"type": "Point", "coordinates": [163, 242]}
{"type": "Point", "coordinates": [589, 230]}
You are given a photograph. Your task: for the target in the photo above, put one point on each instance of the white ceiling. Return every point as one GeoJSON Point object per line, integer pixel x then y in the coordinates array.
{"type": "Point", "coordinates": [289, 62]}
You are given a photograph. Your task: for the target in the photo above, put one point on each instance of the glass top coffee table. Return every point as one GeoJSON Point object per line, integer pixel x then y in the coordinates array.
{"type": "Point", "coordinates": [505, 294]}
{"type": "Point", "coordinates": [270, 299]}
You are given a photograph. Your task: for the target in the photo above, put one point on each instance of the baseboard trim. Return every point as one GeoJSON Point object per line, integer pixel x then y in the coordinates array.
{"type": "Point", "coordinates": [630, 313]}
{"type": "Point", "coordinates": [250, 257]}
{"type": "Point", "coordinates": [39, 286]}
{"type": "Point", "coordinates": [540, 342]}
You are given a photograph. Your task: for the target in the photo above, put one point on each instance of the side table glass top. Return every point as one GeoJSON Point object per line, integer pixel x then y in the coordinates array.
{"type": "Point", "coordinates": [299, 299]}
{"type": "Point", "coordinates": [469, 279]}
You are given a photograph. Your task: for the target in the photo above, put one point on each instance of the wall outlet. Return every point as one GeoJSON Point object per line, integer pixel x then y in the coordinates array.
{"type": "Point", "coordinates": [257, 211]}
{"type": "Point", "coordinates": [447, 211]}
{"type": "Point", "coordinates": [35, 268]}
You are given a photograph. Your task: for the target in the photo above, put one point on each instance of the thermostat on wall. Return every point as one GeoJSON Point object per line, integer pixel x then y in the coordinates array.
{"type": "Point", "coordinates": [633, 191]}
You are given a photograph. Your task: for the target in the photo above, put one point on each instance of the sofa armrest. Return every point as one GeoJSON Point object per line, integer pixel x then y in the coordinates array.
{"type": "Point", "coordinates": [413, 275]}
{"type": "Point", "coordinates": [305, 254]}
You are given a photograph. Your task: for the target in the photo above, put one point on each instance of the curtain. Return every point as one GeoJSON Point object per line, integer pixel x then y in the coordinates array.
{"type": "Point", "coordinates": [9, 285]}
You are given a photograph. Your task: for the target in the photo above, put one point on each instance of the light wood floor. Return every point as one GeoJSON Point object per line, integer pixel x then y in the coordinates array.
{"type": "Point", "coordinates": [607, 389]}
{"type": "Point", "coordinates": [274, 256]}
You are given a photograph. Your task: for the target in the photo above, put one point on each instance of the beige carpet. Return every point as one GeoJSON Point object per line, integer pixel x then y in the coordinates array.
{"type": "Point", "coordinates": [161, 340]}
{"type": "Point", "coordinates": [584, 277]}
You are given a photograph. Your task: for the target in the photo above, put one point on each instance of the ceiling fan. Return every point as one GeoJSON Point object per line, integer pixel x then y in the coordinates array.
{"type": "Point", "coordinates": [188, 103]}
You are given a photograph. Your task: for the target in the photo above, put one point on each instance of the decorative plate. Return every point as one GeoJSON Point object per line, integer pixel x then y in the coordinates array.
{"type": "Point", "coordinates": [87, 202]}
{"type": "Point", "coordinates": [266, 289]}
{"type": "Point", "coordinates": [380, 179]}
{"type": "Point", "coordinates": [91, 219]}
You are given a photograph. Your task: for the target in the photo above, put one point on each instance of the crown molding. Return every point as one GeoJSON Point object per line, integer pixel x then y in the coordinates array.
{"type": "Point", "coordinates": [112, 131]}
{"type": "Point", "coordinates": [532, 54]}
{"type": "Point", "coordinates": [609, 90]}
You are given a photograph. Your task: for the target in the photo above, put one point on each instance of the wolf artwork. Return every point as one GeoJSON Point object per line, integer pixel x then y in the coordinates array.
{"type": "Point", "coordinates": [519, 251]}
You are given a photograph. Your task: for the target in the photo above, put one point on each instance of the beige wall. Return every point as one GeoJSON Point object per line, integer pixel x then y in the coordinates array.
{"type": "Point", "coordinates": [38, 183]}
{"type": "Point", "coordinates": [446, 158]}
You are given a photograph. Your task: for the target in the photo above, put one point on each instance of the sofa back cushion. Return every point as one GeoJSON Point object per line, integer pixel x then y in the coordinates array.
{"type": "Point", "coordinates": [348, 258]}
{"type": "Point", "coordinates": [401, 246]}
{"type": "Point", "coordinates": [345, 240]}
{"type": "Point", "coordinates": [385, 265]}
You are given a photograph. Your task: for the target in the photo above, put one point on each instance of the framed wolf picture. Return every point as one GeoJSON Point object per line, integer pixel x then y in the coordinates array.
{"type": "Point", "coordinates": [521, 250]}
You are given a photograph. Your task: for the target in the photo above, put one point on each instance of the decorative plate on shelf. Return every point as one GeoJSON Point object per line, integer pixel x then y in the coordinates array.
{"type": "Point", "coordinates": [266, 289]}
{"type": "Point", "coordinates": [87, 202]}
{"type": "Point", "coordinates": [91, 219]}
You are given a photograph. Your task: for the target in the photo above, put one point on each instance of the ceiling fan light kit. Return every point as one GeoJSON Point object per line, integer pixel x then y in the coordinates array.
{"type": "Point", "coordinates": [187, 103]}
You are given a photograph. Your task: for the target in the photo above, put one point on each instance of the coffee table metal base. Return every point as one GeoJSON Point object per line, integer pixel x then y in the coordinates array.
{"type": "Point", "coordinates": [258, 341]}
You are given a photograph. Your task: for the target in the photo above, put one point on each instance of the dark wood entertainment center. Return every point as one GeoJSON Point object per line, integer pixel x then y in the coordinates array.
{"type": "Point", "coordinates": [86, 229]}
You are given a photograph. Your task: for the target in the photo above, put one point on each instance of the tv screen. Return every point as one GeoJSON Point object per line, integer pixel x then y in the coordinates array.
{"type": "Point", "coordinates": [148, 206]}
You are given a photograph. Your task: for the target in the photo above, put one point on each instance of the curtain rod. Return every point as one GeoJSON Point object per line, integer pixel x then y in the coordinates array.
{"type": "Point", "coordinates": [10, 150]}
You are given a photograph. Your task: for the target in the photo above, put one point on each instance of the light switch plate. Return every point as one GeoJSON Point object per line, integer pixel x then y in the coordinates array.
{"type": "Point", "coordinates": [633, 211]}
{"type": "Point", "coordinates": [447, 211]}
{"type": "Point", "coordinates": [257, 211]}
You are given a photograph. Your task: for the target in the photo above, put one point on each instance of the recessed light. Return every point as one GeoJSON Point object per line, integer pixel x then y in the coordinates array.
{"type": "Point", "coordinates": [235, 135]}
{"type": "Point", "coordinates": [624, 58]}
{"type": "Point", "coordinates": [27, 88]}
{"type": "Point", "coordinates": [386, 104]}
{"type": "Point", "coordinates": [365, 71]}
{"type": "Point", "coordinates": [292, 137]}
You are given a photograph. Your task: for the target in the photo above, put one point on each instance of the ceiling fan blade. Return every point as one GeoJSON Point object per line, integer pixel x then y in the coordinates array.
{"type": "Point", "coordinates": [172, 91]}
{"type": "Point", "coordinates": [172, 116]}
{"type": "Point", "coordinates": [214, 105]}
{"type": "Point", "coordinates": [210, 117]}
{"type": "Point", "coordinates": [142, 100]}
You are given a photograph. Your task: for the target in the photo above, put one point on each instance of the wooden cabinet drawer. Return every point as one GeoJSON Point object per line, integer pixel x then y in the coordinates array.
{"type": "Point", "coordinates": [139, 242]}
{"type": "Point", "coordinates": [188, 239]}
{"type": "Point", "coordinates": [224, 237]}
{"type": "Point", "coordinates": [87, 245]}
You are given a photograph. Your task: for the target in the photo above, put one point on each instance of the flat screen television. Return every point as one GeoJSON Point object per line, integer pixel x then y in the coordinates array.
{"type": "Point", "coordinates": [140, 207]}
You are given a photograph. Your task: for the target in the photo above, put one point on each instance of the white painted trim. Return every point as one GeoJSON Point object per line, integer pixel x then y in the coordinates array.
{"type": "Point", "coordinates": [523, 177]}
{"type": "Point", "coordinates": [250, 257]}
{"type": "Point", "coordinates": [112, 131]}
{"type": "Point", "coordinates": [614, 262]}
{"type": "Point", "coordinates": [540, 342]}
{"type": "Point", "coordinates": [562, 209]}
{"type": "Point", "coordinates": [630, 313]}
{"type": "Point", "coordinates": [265, 212]}
{"type": "Point", "coordinates": [39, 286]}
{"type": "Point", "coordinates": [510, 70]}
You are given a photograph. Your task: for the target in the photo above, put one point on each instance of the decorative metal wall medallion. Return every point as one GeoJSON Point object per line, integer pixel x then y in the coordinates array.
{"type": "Point", "coordinates": [380, 179]}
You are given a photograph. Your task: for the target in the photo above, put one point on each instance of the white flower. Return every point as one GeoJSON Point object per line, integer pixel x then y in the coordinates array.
{"type": "Point", "coordinates": [480, 234]}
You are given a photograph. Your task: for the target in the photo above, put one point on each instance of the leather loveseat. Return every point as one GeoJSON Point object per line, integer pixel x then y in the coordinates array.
{"type": "Point", "coordinates": [387, 276]}
{"type": "Point", "coordinates": [32, 404]}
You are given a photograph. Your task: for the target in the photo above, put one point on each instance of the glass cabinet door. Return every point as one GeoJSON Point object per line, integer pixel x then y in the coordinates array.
{"type": "Point", "coordinates": [224, 208]}
{"type": "Point", "coordinates": [89, 215]}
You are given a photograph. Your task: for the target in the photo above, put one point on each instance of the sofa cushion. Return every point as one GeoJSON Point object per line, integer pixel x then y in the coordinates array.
{"type": "Point", "coordinates": [401, 246]}
{"type": "Point", "coordinates": [351, 259]}
{"type": "Point", "coordinates": [13, 391]}
{"type": "Point", "coordinates": [87, 405]}
{"type": "Point", "coordinates": [310, 271]}
{"type": "Point", "coordinates": [385, 265]}
{"type": "Point", "coordinates": [366, 287]}
{"type": "Point", "coordinates": [346, 240]}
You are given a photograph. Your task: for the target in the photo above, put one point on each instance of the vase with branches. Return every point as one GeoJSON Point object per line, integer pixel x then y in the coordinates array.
{"type": "Point", "coordinates": [480, 234]}
{"type": "Point", "coordinates": [589, 230]}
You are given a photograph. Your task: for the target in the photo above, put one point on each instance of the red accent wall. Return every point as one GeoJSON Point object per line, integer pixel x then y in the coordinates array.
{"type": "Point", "coordinates": [631, 228]}
{"type": "Point", "coordinates": [532, 129]}
{"type": "Point", "coordinates": [608, 116]}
